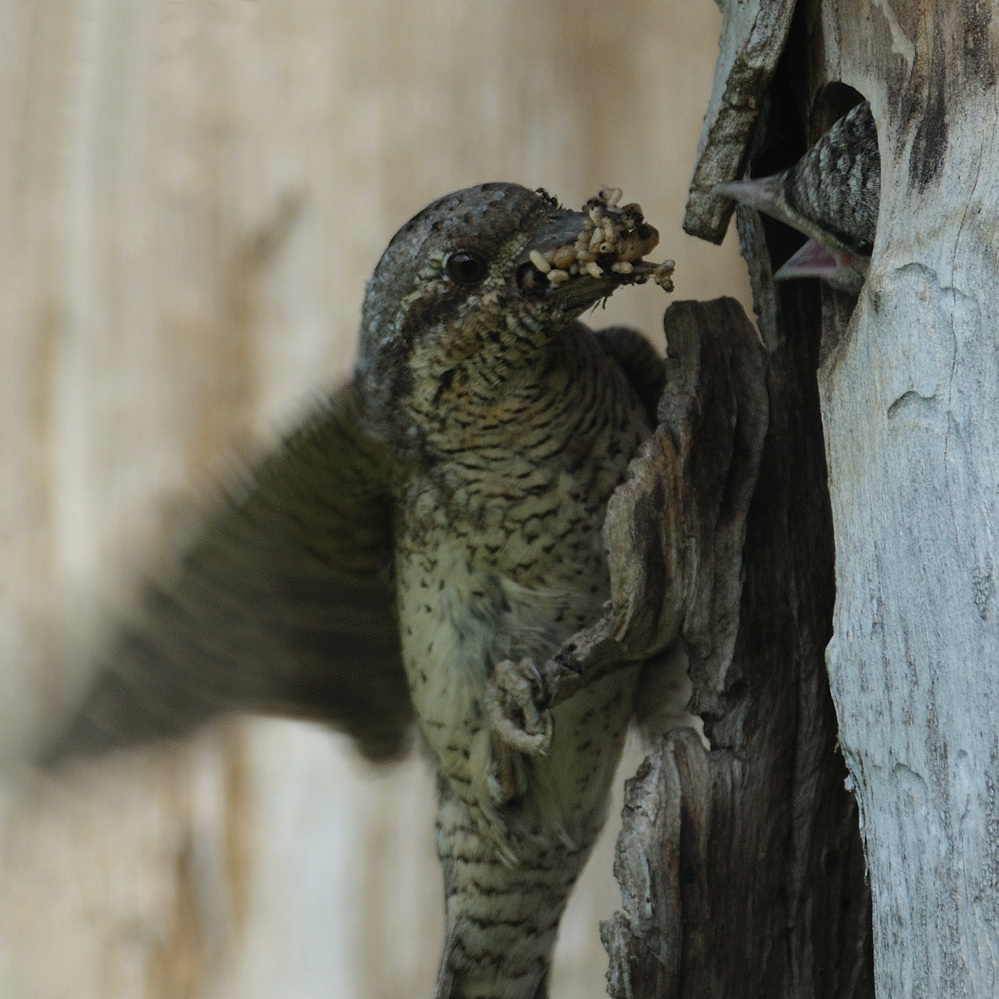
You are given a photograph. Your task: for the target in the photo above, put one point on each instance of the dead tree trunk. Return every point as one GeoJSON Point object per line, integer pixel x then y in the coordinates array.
{"type": "Point", "coordinates": [910, 395]}
{"type": "Point", "coordinates": [751, 846]}
{"type": "Point", "coordinates": [741, 868]}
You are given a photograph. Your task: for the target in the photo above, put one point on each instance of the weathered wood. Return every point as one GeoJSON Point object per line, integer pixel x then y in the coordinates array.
{"type": "Point", "coordinates": [910, 392]}
{"type": "Point", "coordinates": [675, 528]}
{"type": "Point", "coordinates": [908, 384]}
{"type": "Point", "coordinates": [741, 868]}
{"type": "Point", "coordinates": [752, 39]}
{"type": "Point", "coordinates": [675, 532]}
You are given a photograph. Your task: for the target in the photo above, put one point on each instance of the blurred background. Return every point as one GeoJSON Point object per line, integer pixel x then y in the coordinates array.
{"type": "Point", "coordinates": [192, 195]}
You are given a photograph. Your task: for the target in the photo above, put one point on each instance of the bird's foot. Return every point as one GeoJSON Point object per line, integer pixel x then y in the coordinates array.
{"type": "Point", "coordinates": [515, 700]}
{"type": "Point", "coordinates": [506, 779]}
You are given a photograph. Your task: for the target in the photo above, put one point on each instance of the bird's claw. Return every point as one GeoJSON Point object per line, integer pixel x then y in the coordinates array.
{"type": "Point", "coordinates": [513, 700]}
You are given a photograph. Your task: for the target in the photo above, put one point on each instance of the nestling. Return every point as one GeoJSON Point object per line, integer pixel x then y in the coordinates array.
{"type": "Point", "coordinates": [831, 195]}
{"type": "Point", "coordinates": [419, 544]}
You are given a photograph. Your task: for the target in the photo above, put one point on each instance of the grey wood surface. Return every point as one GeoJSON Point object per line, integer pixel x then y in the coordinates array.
{"type": "Point", "coordinates": [910, 393]}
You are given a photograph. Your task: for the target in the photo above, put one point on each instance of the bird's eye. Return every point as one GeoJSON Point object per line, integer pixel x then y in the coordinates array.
{"type": "Point", "coordinates": [465, 267]}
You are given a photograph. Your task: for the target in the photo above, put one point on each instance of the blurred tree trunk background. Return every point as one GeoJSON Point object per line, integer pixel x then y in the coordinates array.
{"type": "Point", "coordinates": [192, 196]}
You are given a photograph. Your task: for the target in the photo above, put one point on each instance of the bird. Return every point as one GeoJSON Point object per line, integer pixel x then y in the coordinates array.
{"type": "Point", "coordinates": [424, 539]}
{"type": "Point", "coordinates": [831, 195]}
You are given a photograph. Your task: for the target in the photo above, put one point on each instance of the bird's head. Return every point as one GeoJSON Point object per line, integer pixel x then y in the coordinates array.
{"type": "Point", "coordinates": [832, 195]}
{"type": "Point", "coordinates": [480, 280]}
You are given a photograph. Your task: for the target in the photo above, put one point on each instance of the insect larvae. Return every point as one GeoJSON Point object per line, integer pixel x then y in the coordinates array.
{"type": "Point", "coordinates": [539, 261]}
{"type": "Point", "coordinates": [610, 196]}
{"type": "Point", "coordinates": [564, 257]}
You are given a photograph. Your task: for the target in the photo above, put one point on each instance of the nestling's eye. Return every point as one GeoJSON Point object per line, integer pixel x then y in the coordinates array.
{"type": "Point", "coordinates": [466, 267]}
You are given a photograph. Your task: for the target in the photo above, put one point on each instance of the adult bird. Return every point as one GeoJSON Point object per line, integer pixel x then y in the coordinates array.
{"type": "Point", "coordinates": [831, 195]}
{"type": "Point", "coordinates": [419, 544]}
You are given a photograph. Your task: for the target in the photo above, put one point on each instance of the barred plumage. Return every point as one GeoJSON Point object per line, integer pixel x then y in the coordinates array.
{"type": "Point", "coordinates": [428, 534]}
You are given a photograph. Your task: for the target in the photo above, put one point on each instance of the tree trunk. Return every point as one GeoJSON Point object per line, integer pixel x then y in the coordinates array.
{"type": "Point", "coordinates": [910, 392]}
{"type": "Point", "coordinates": [750, 873]}
{"type": "Point", "coordinates": [906, 381]}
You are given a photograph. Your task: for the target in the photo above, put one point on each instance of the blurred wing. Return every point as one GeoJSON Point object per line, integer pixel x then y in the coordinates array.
{"type": "Point", "coordinates": [284, 603]}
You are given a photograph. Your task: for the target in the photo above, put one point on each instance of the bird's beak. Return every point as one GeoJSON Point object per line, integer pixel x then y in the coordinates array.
{"type": "Point", "coordinates": [758, 193]}
{"type": "Point", "coordinates": [811, 260]}
{"type": "Point", "coordinates": [840, 268]}
{"type": "Point", "coordinates": [578, 258]}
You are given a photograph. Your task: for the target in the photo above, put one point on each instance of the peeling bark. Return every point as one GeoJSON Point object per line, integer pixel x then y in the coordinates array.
{"type": "Point", "coordinates": [752, 39]}
{"type": "Point", "coordinates": [741, 868]}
